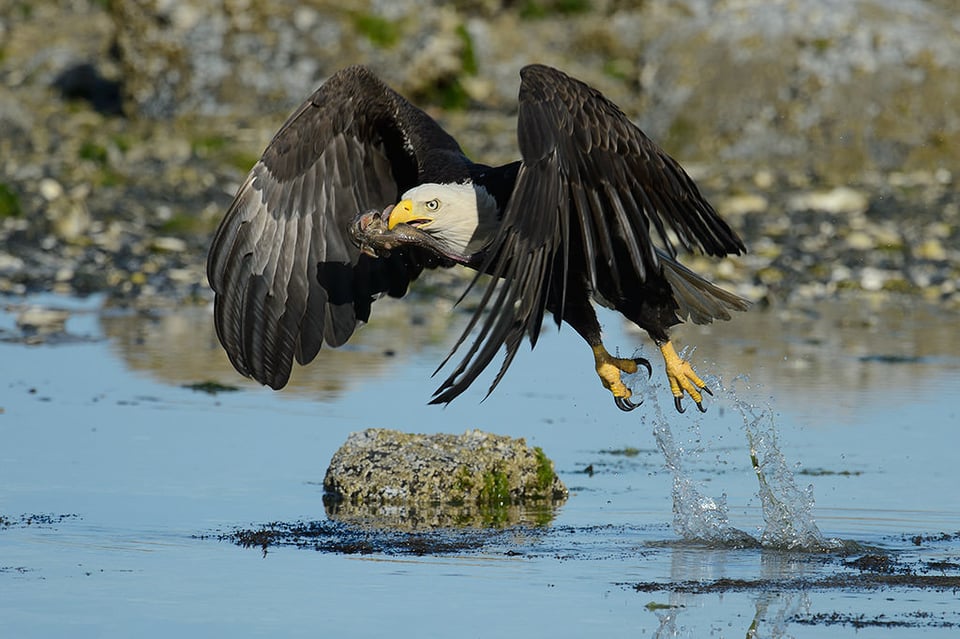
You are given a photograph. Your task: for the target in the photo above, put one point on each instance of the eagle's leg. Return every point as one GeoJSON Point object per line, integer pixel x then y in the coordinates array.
{"type": "Point", "coordinates": [579, 314]}
{"type": "Point", "coordinates": [609, 369]}
{"type": "Point", "coordinates": [682, 377]}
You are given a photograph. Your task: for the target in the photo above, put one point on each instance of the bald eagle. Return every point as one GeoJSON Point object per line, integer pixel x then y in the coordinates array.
{"type": "Point", "coordinates": [360, 190]}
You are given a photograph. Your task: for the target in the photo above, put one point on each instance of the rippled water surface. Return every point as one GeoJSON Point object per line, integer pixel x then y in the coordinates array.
{"type": "Point", "coordinates": [117, 483]}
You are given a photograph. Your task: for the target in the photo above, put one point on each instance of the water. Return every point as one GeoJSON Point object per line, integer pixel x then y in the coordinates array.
{"type": "Point", "coordinates": [134, 478]}
{"type": "Point", "coordinates": [696, 517]}
{"type": "Point", "coordinates": [788, 511]}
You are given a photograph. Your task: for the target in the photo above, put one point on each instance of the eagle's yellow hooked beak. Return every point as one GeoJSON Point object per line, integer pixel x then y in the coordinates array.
{"type": "Point", "coordinates": [402, 213]}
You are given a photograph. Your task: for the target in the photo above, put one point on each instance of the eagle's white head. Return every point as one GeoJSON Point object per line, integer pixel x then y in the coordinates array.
{"type": "Point", "coordinates": [463, 217]}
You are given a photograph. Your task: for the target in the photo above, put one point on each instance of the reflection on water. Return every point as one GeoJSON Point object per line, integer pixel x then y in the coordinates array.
{"type": "Point", "coordinates": [831, 352]}
{"type": "Point", "coordinates": [427, 516]}
{"type": "Point", "coordinates": [772, 610]}
{"type": "Point", "coordinates": [827, 357]}
{"type": "Point", "coordinates": [840, 349]}
{"type": "Point", "coordinates": [181, 347]}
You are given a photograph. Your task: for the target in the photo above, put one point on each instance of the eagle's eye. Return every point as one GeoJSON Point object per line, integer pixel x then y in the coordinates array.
{"type": "Point", "coordinates": [432, 205]}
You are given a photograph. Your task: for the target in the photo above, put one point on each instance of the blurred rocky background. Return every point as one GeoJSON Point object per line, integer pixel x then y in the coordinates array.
{"type": "Point", "coordinates": [827, 131]}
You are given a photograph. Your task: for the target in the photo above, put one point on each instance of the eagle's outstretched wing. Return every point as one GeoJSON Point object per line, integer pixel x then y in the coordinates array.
{"type": "Point", "coordinates": [286, 276]}
{"type": "Point", "coordinates": [588, 176]}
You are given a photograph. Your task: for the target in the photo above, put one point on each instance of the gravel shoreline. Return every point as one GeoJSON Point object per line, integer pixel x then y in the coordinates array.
{"type": "Point", "coordinates": [805, 244]}
{"type": "Point", "coordinates": [96, 199]}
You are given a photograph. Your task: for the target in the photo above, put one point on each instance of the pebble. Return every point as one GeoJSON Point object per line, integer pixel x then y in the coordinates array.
{"type": "Point", "coordinates": [38, 319]}
{"type": "Point", "coordinates": [741, 204]}
{"type": "Point", "coordinates": [841, 199]}
{"type": "Point", "coordinates": [50, 189]}
{"type": "Point", "coordinates": [931, 249]}
{"type": "Point", "coordinates": [887, 235]}
{"type": "Point", "coordinates": [185, 275]}
{"type": "Point", "coordinates": [860, 240]}
{"type": "Point", "coordinates": [10, 263]}
{"type": "Point", "coordinates": [872, 279]}
{"type": "Point", "coordinates": [169, 244]}
{"type": "Point", "coordinates": [764, 179]}
{"type": "Point", "coordinates": [72, 222]}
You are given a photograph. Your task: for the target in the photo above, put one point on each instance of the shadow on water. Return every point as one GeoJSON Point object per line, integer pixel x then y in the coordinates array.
{"type": "Point", "coordinates": [855, 399]}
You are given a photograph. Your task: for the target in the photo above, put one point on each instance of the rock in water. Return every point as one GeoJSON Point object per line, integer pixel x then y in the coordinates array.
{"type": "Point", "coordinates": [473, 478]}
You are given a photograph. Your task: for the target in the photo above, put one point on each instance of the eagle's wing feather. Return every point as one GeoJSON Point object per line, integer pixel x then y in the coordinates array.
{"type": "Point", "coordinates": [286, 276]}
{"type": "Point", "coordinates": [586, 170]}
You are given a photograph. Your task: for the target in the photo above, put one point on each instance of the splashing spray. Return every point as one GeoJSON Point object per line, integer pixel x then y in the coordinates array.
{"type": "Point", "coordinates": [787, 510]}
{"type": "Point", "coordinates": [697, 517]}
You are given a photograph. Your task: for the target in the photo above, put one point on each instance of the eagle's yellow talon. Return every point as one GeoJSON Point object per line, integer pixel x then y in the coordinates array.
{"type": "Point", "coordinates": [609, 369]}
{"type": "Point", "coordinates": [682, 378]}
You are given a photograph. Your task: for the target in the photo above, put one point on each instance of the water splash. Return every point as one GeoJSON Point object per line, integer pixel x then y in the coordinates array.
{"type": "Point", "coordinates": [696, 516]}
{"type": "Point", "coordinates": [787, 510]}
{"type": "Point", "coordinates": [788, 518]}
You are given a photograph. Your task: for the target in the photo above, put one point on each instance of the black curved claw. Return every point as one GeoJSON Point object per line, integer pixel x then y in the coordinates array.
{"type": "Point", "coordinates": [625, 404]}
{"type": "Point", "coordinates": [640, 361]}
{"type": "Point", "coordinates": [704, 389]}
{"type": "Point", "coordinates": [681, 409]}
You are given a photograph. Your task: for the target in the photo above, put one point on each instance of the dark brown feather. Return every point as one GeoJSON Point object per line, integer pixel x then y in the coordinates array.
{"type": "Point", "coordinates": [590, 179]}
{"type": "Point", "coordinates": [286, 276]}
